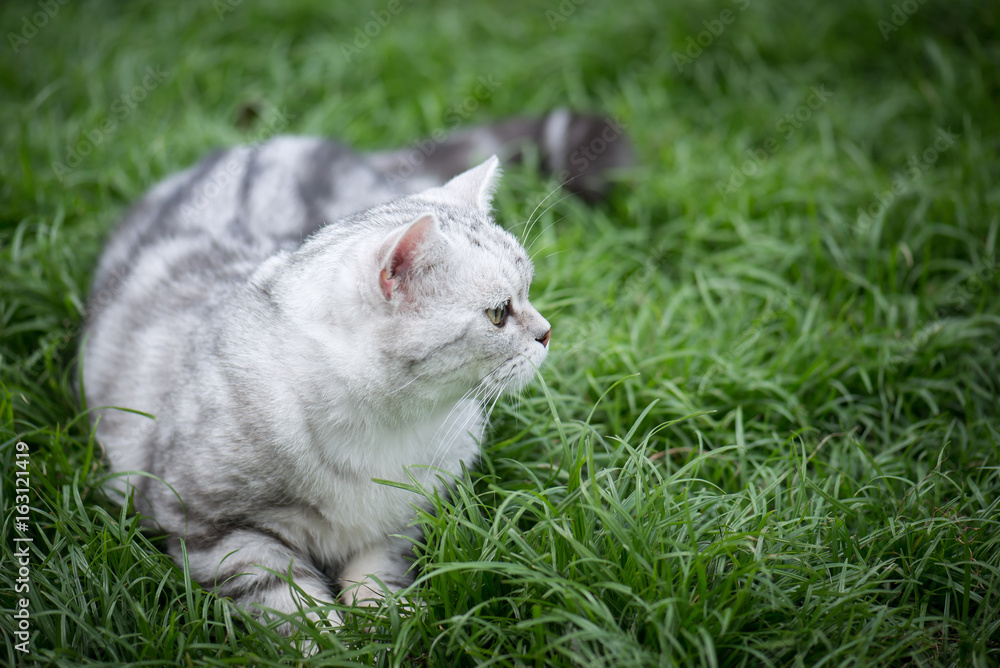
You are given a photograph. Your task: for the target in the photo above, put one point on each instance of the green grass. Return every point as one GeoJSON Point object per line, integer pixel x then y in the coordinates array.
{"type": "Point", "coordinates": [768, 431]}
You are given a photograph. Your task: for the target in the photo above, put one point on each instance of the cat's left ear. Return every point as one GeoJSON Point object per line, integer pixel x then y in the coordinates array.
{"type": "Point", "coordinates": [406, 252]}
{"type": "Point", "coordinates": [472, 187]}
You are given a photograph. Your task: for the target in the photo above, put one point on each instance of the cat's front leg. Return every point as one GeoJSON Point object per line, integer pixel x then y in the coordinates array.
{"type": "Point", "coordinates": [253, 567]}
{"type": "Point", "coordinates": [390, 562]}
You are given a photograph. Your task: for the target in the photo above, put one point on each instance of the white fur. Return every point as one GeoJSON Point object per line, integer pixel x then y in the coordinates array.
{"type": "Point", "coordinates": [364, 355]}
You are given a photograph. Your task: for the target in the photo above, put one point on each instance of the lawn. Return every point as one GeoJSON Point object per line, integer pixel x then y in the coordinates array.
{"type": "Point", "coordinates": [768, 432]}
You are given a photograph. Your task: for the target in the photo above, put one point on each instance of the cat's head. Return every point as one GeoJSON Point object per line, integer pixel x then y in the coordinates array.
{"type": "Point", "coordinates": [444, 306]}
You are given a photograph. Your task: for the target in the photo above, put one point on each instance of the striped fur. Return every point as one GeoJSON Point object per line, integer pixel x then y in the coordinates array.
{"type": "Point", "coordinates": [302, 319]}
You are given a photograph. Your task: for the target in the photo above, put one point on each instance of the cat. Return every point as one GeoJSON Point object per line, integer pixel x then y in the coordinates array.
{"type": "Point", "coordinates": [303, 319]}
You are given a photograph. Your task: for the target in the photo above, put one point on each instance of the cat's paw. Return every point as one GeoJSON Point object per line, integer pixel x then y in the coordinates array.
{"type": "Point", "coordinates": [365, 598]}
{"type": "Point", "coordinates": [326, 622]}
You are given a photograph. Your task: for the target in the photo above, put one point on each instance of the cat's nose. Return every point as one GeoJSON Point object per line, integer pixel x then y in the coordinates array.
{"type": "Point", "coordinates": [544, 340]}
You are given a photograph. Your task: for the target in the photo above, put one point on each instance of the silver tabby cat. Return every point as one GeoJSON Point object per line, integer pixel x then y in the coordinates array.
{"type": "Point", "coordinates": [301, 320]}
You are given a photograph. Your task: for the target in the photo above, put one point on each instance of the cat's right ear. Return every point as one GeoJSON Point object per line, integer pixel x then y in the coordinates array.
{"type": "Point", "coordinates": [405, 252]}
{"type": "Point", "coordinates": [472, 187]}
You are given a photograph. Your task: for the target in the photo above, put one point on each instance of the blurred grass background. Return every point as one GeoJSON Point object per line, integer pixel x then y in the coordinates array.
{"type": "Point", "coordinates": [768, 430]}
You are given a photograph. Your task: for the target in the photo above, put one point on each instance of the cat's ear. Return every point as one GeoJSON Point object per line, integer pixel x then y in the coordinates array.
{"type": "Point", "coordinates": [472, 187]}
{"type": "Point", "coordinates": [405, 251]}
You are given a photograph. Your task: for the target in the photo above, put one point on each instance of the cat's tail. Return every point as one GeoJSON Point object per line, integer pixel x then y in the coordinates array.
{"type": "Point", "coordinates": [580, 150]}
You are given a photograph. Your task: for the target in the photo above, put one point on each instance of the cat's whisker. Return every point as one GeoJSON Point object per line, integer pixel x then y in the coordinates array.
{"type": "Point", "coordinates": [451, 419]}
{"type": "Point", "coordinates": [535, 254]}
{"type": "Point", "coordinates": [545, 211]}
{"type": "Point", "coordinates": [406, 384]}
{"type": "Point", "coordinates": [499, 394]}
{"type": "Point", "coordinates": [518, 401]}
{"type": "Point", "coordinates": [529, 222]}
{"type": "Point", "coordinates": [444, 446]}
{"type": "Point", "coordinates": [540, 234]}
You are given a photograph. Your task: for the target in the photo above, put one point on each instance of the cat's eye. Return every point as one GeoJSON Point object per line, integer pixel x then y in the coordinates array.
{"type": "Point", "coordinates": [498, 315]}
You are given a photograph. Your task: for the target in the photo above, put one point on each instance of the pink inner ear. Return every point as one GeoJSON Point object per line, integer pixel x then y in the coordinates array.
{"type": "Point", "coordinates": [405, 254]}
{"type": "Point", "coordinates": [386, 283]}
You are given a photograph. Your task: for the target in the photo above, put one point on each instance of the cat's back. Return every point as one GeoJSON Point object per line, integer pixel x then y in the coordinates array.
{"type": "Point", "coordinates": [212, 223]}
